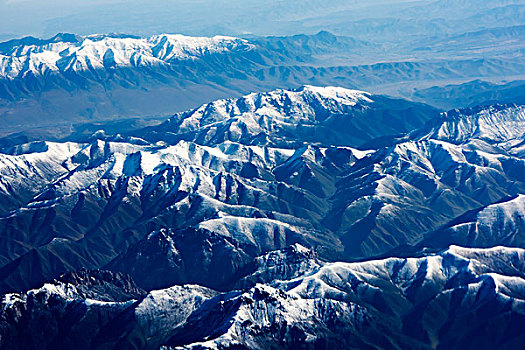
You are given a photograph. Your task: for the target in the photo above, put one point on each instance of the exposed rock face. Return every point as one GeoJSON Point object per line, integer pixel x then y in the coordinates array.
{"type": "Point", "coordinates": [102, 285]}
{"type": "Point", "coordinates": [166, 258]}
{"type": "Point", "coordinates": [287, 263]}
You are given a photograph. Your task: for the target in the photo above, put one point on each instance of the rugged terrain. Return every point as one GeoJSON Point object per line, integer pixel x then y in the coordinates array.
{"type": "Point", "coordinates": [459, 298]}
{"type": "Point", "coordinates": [196, 198]}
{"type": "Point", "coordinates": [280, 175]}
{"type": "Point", "coordinates": [276, 220]}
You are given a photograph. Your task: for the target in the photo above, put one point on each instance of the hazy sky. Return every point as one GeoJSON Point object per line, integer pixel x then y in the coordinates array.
{"type": "Point", "coordinates": [45, 18]}
{"type": "Point", "coordinates": [29, 17]}
{"type": "Point", "coordinates": [194, 17]}
{"type": "Point", "coordinates": [360, 18]}
{"type": "Point", "coordinates": [37, 17]}
{"type": "Point", "coordinates": [197, 17]}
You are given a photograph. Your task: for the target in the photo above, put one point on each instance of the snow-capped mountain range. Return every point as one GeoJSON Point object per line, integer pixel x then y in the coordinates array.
{"type": "Point", "coordinates": [69, 53]}
{"type": "Point", "coordinates": [459, 298]}
{"type": "Point", "coordinates": [70, 79]}
{"type": "Point", "coordinates": [270, 221]}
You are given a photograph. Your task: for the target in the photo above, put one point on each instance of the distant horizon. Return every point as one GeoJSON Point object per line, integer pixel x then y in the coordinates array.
{"type": "Point", "coordinates": [137, 36]}
{"type": "Point", "coordinates": [21, 18]}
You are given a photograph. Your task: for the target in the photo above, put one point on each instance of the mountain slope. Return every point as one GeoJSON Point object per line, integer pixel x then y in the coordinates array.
{"type": "Point", "coordinates": [498, 223]}
{"type": "Point", "coordinates": [493, 124]}
{"type": "Point", "coordinates": [110, 194]}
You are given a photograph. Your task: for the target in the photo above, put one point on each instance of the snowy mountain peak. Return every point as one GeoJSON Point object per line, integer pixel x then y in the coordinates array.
{"type": "Point", "coordinates": [339, 94]}
{"type": "Point", "coordinates": [497, 123]}
{"type": "Point", "coordinates": [368, 302]}
{"type": "Point", "coordinates": [337, 280]}
{"type": "Point", "coordinates": [324, 116]}
{"type": "Point", "coordinates": [294, 105]}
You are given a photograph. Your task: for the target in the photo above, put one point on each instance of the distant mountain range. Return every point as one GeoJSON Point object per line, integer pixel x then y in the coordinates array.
{"type": "Point", "coordinates": [69, 80]}
{"type": "Point", "coordinates": [66, 53]}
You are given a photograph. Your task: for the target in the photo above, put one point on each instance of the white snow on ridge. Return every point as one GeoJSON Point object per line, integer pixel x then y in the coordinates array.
{"type": "Point", "coordinates": [272, 110]}
{"type": "Point", "coordinates": [341, 95]}
{"type": "Point", "coordinates": [94, 53]}
{"type": "Point", "coordinates": [333, 279]}
{"type": "Point", "coordinates": [494, 124]}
